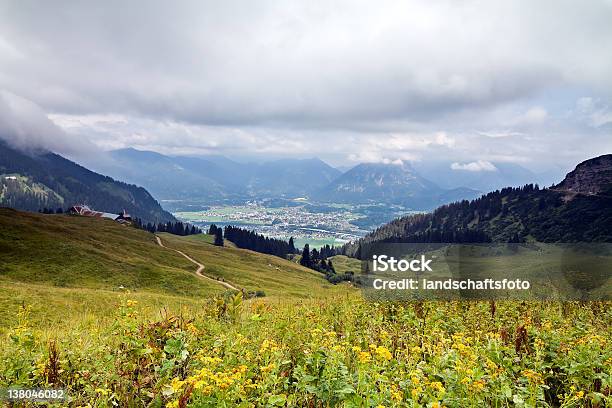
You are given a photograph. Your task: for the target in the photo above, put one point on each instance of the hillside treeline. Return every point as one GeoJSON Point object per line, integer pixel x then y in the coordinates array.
{"type": "Point", "coordinates": [512, 214]}
{"type": "Point", "coordinates": [246, 239]}
{"type": "Point", "coordinates": [176, 228]}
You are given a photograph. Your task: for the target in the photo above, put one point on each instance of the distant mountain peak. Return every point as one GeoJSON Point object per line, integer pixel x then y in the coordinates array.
{"type": "Point", "coordinates": [378, 175]}
{"type": "Point", "coordinates": [590, 177]}
{"type": "Point", "coordinates": [394, 182]}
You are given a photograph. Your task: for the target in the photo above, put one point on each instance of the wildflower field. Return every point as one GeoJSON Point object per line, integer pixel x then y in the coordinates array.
{"type": "Point", "coordinates": [334, 351]}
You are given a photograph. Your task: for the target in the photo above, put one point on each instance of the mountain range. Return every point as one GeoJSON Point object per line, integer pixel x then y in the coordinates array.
{"type": "Point", "coordinates": [45, 179]}
{"type": "Point", "coordinates": [32, 181]}
{"type": "Point", "coordinates": [214, 178]}
{"type": "Point", "coordinates": [217, 178]}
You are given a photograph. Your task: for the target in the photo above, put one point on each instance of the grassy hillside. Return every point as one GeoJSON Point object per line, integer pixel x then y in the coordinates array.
{"type": "Point", "coordinates": [70, 251]}
{"type": "Point", "coordinates": [210, 239]}
{"type": "Point", "coordinates": [251, 270]}
{"type": "Point", "coordinates": [344, 264]}
{"type": "Point", "coordinates": [58, 310]}
{"type": "Point", "coordinates": [77, 266]}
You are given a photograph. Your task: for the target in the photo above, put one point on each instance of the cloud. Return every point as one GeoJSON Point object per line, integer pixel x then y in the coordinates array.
{"type": "Point", "coordinates": [594, 111]}
{"type": "Point", "coordinates": [397, 148]}
{"type": "Point", "coordinates": [325, 64]}
{"type": "Point", "coordinates": [537, 114]}
{"type": "Point", "coordinates": [498, 134]}
{"type": "Point", "coordinates": [347, 80]}
{"type": "Point", "coordinates": [480, 165]}
{"type": "Point", "coordinates": [25, 125]}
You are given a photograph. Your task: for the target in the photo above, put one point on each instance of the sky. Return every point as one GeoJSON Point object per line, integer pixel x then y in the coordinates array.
{"type": "Point", "coordinates": [472, 83]}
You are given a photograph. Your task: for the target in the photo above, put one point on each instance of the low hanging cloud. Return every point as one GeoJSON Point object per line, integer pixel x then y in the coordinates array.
{"type": "Point", "coordinates": [25, 126]}
{"type": "Point", "coordinates": [480, 165]}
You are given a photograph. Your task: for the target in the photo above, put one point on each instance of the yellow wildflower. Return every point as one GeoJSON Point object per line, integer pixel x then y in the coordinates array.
{"type": "Point", "coordinates": [364, 357]}
{"type": "Point", "coordinates": [477, 385]}
{"type": "Point", "coordinates": [176, 384]}
{"type": "Point", "coordinates": [268, 368]}
{"type": "Point", "coordinates": [396, 393]}
{"type": "Point", "coordinates": [437, 386]}
{"type": "Point", "coordinates": [383, 353]}
{"type": "Point", "coordinates": [384, 335]}
{"type": "Point", "coordinates": [533, 376]}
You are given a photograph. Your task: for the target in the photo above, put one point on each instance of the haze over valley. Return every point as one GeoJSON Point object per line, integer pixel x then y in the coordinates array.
{"type": "Point", "coordinates": [302, 198]}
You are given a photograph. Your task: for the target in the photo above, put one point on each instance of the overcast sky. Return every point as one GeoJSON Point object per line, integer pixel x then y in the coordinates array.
{"type": "Point", "coordinates": [470, 82]}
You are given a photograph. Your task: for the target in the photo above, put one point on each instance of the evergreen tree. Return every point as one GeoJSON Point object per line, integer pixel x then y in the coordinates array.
{"type": "Point", "coordinates": [212, 230]}
{"type": "Point", "coordinates": [305, 261]}
{"type": "Point", "coordinates": [246, 239]}
{"type": "Point", "coordinates": [291, 246]}
{"type": "Point", "coordinates": [219, 237]}
{"type": "Point", "coordinates": [314, 255]}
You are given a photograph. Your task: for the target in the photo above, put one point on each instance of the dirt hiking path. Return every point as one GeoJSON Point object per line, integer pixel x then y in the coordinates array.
{"type": "Point", "coordinates": [200, 266]}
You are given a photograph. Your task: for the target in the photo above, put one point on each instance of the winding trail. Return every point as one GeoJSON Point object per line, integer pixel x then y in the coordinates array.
{"type": "Point", "coordinates": [199, 265]}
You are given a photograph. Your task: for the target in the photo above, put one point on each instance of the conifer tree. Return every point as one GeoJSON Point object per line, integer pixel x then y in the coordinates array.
{"type": "Point", "coordinates": [291, 246]}
{"type": "Point", "coordinates": [305, 261]}
{"type": "Point", "coordinates": [219, 237]}
{"type": "Point", "coordinates": [212, 230]}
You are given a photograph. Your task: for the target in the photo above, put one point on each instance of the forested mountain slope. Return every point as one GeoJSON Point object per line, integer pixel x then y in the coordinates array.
{"type": "Point", "coordinates": [34, 181]}
{"type": "Point", "coordinates": [577, 209]}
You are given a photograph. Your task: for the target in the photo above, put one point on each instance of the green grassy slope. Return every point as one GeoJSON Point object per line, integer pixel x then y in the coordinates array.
{"type": "Point", "coordinates": [69, 266]}
{"type": "Point", "coordinates": [59, 309]}
{"type": "Point", "coordinates": [70, 251]}
{"type": "Point", "coordinates": [251, 270]}
{"type": "Point", "coordinates": [210, 239]}
{"type": "Point", "coordinates": [344, 264]}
